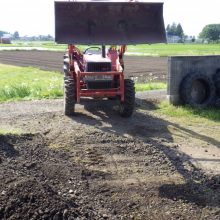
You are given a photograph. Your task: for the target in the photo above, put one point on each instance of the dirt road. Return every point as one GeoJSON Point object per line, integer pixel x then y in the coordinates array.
{"type": "Point", "coordinates": [144, 68]}
{"type": "Point", "coordinates": [97, 165]}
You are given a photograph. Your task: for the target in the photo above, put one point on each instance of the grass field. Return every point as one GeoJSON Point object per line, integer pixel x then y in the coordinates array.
{"type": "Point", "coordinates": [26, 83]}
{"type": "Point", "coordinates": [146, 50]}
{"type": "Point", "coordinates": [175, 49]}
{"type": "Point", "coordinates": [21, 83]}
{"type": "Point", "coordinates": [189, 113]}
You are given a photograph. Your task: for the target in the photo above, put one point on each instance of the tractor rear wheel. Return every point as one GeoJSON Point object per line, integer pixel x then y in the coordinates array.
{"type": "Point", "coordinates": [69, 96]}
{"type": "Point", "coordinates": [126, 108]}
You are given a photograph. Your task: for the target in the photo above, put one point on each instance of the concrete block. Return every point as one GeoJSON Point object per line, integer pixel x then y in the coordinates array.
{"type": "Point", "coordinates": [180, 66]}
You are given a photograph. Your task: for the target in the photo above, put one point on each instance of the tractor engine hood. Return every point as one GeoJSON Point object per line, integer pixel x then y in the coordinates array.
{"type": "Point", "coordinates": [96, 58]}
{"type": "Point", "coordinates": [109, 23]}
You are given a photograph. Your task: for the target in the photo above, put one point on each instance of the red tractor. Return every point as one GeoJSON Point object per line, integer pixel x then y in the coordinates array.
{"type": "Point", "coordinates": [98, 72]}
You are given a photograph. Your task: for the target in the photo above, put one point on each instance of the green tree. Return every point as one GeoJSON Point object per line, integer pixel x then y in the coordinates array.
{"type": "Point", "coordinates": [173, 29]}
{"type": "Point", "coordinates": [210, 32]}
{"type": "Point", "coordinates": [168, 29]}
{"type": "Point", "coordinates": [176, 30]}
{"type": "Point", "coordinates": [179, 31]}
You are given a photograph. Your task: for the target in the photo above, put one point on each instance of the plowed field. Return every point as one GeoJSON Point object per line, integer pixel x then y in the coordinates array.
{"type": "Point", "coordinates": [144, 68]}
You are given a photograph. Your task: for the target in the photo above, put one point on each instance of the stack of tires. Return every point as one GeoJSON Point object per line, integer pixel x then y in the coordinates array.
{"type": "Point", "coordinates": [200, 90]}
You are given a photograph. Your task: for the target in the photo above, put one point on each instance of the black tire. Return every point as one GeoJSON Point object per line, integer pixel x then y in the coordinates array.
{"type": "Point", "coordinates": [126, 108]}
{"type": "Point", "coordinates": [66, 66]}
{"type": "Point", "coordinates": [69, 96]}
{"type": "Point", "coordinates": [198, 90]}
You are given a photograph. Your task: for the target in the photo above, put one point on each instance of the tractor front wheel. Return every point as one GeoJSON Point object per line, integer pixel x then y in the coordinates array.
{"type": "Point", "coordinates": [69, 96]}
{"type": "Point", "coordinates": [126, 108]}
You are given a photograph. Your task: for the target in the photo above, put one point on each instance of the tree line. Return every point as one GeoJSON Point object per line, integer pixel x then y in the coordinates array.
{"type": "Point", "coordinates": [210, 33]}
{"type": "Point", "coordinates": [175, 30]}
{"type": "Point", "coordinates": [16, 36]}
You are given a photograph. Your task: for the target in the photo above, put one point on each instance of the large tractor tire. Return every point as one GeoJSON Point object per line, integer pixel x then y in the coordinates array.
{"type": "Point", "coordinates": [69, 96]}
{"type": "Point", "coordinates": [66, 66]}
{"type": "Point", "coordinates": [126, 108]}
{"type": "Point", "coordinates": [198, 90]}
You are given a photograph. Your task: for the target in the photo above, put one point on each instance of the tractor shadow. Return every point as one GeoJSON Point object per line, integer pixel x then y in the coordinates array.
{"type": "Point", "coordinates": [199, 188]}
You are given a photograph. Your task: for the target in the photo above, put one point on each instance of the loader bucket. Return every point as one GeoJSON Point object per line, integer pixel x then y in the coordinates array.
{"type": "Point", "coordinates": [111, 23]}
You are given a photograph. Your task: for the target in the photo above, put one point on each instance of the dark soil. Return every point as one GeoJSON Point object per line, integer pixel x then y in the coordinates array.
{"type": "Point", "coordinates": [97, 165]}
{"type": "Point", "coordinates": [34, 180]}
{"type": "Point", "coordinates": [143, 69]}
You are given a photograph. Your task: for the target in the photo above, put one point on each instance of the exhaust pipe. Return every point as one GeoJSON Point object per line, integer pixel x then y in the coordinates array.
{"type": "Point", "coordinates": [103, 51]}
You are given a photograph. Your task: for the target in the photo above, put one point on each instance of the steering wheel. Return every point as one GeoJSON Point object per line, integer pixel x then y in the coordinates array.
{"type": "Point", "coordinates": [91, 48]}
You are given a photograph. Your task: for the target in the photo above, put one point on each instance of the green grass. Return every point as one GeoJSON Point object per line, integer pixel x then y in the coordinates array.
{"type": "Point", "coordinates": [146, 50]}
{"type": "Point", "coordinates": [24, 83]}
{"type": "Point", "coordinates": [27, 83]}
{"type": "Point", "coordinates": [139, 87]}
{"type": "Point", "coordinates": [175, 49]}
{"type": "Point", "coordinates": [188, 112]}
{"type": "Point", "coordinates": [9, 131]}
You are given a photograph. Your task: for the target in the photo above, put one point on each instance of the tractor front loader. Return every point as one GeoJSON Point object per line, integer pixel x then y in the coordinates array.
{"type": "Point", "coordinates": [98, 72]}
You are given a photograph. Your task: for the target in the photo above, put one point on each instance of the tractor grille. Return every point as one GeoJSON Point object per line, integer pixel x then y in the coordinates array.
{"type": "Point", "coordinates": [99, 67]}
{"type": "Point", "coordinates": [99, 85]}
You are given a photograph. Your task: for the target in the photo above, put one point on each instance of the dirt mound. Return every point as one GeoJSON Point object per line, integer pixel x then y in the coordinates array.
{"type": "Point", "coordinates": [35, 181]}
{"type": "Point", "coordinates": [30, 199]}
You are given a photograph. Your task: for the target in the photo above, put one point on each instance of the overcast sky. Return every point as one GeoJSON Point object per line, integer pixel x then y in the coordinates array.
{"type": "Point", "coordinates": [34, 17]}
